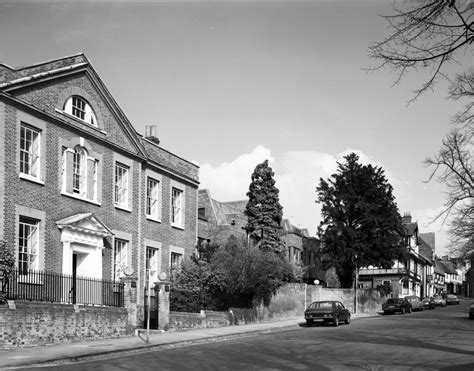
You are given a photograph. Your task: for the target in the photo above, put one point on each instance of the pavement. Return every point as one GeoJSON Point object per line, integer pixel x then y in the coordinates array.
{"type": "Point", "coordinates": [57, 354]}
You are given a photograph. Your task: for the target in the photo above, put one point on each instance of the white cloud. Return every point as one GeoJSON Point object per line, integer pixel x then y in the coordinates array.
{"type": "Point", "coordinates": [230, 180]}
{"type": "Point", "coordinates": [297, 175]}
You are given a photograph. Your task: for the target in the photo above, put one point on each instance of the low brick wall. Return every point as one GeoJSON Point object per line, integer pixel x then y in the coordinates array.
{"type": "Point", "coordinates": [205, 319]}
{"type": "Point", "coordinates": [32, 324]}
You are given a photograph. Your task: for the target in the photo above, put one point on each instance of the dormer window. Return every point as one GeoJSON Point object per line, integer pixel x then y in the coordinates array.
{"type": "Point", "coordinates": [78, 107]}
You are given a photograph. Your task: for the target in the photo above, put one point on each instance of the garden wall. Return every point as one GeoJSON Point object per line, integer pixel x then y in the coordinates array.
{"type": "Point", "coordinates": [25, 324]}
{"type": "Point", "coordinates": [205, 319]}
{"type": "Point", "coordinates": [290, 301]}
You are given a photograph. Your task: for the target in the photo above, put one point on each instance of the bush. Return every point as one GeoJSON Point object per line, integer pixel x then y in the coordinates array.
{"type": "Point", "coordinates": [233, 275]}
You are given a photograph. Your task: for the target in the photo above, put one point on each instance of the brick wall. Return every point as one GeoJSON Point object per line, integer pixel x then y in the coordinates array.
{"type": "Point", "coordinates": [32, 324]}
{"type": "Point", "coordinates": [290, 301]}
{"type": "Point", "coordinates": [204, 319]}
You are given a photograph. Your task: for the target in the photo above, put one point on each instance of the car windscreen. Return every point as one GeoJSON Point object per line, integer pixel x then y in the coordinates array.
{"type": "Point", "coordinates": [321, 304]}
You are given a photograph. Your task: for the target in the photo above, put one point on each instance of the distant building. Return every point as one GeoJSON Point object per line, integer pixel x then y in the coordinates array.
{"type": "Point", "coordinates": [217, 221]}
{"type": "Point", "coordinates": [405, 278]}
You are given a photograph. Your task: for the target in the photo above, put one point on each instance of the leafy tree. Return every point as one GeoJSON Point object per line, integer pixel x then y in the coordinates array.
{"type": "Point", "coordinates": [233, 275]}
{"type": "Point", "coordinates": [361, 224]}
{"type": "Point", "coordinates": [263, 210]}
{"type": "Point", "coordinates": [194, 285]}
{"type": "Point", "coordinates": [248, 276]}
{"type": "Point", "coordinates": [425, 35]}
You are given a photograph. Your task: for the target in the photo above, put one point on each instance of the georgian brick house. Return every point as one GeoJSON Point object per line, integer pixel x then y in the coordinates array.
{"type": "Point", "coordinates": [81, 191]}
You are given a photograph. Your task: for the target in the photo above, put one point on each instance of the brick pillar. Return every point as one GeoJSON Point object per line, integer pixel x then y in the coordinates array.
{"type": "Point", "coordinates": [130, 301]}
{"type": "Point", "coordinates": [162, 292]}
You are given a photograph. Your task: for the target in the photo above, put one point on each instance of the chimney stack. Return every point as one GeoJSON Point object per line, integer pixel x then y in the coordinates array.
{"type": "Point", "coordinates": [406, 219]}
{"type": "Point", "coordinates": [150, 134]}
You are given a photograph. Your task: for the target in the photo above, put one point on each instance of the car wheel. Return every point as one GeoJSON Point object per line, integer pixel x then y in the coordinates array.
{"type": "Point", "coordinates": [385, 312]}
{"type": "Point", "coordinates": [309, 322]}
{"type": "Point", "coordinates": [336, 321]}
{"type": "Point", "coordinates": [348, 319]}
{"type": "Point", "coordinates": [402, 311]}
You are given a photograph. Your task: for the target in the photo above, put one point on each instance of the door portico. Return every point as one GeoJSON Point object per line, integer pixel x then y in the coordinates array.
{"type": "Point", "coordinates": [82, 237]}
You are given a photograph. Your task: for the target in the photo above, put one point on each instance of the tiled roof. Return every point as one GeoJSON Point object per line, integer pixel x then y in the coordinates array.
{"type": "Point", "coordinates": [9, 74]}
{"type": "Point", "coordinates": [170, 161]}
{"type": "Point", "coordinates": [425, 249]}
{"type": "Point", "coordinates": [439, 268]}
{"type": "Point", "coordinates": [235, 207]}
{"type": "Point", "coordinates": [410, 228]}
{"type": "Point", "coordinates": [449, 267]}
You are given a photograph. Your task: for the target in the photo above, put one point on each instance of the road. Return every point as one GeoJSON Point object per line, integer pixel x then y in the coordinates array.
{"type": "Point", "coordinates": [432, 339]}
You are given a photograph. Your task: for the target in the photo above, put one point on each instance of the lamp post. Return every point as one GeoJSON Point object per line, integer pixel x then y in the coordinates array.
{"type": "Point", "coordinates": [356, 279]}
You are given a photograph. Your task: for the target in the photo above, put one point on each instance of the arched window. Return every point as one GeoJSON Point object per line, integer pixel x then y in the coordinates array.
{"type": "Point", "coordinates": [78, 107]}
{"type": "Point", "coordinates": [79, 173]}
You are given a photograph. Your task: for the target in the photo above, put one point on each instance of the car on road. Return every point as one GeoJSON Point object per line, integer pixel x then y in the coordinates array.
{"type": "Point", "coordinates": [452, 299]}
{"type": "Point", "coordinates": [471, 311]}
{"type": "Point", "coordinates": [439, 301]}
{"type": "Point", "coordinates": [428, 303]}
{"type": "Point", "coordinates": [327, 311]}
{"type": "Point", "coordinates": [415, 301]}
{"type": "Point", "coordinates": [393, 305]}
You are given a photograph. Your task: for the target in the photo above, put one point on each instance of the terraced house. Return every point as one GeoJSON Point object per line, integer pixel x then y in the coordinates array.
{"type": "Point", "coordinates": [82, 193]}
{"type": "Point", "coordinates": [414, 276]}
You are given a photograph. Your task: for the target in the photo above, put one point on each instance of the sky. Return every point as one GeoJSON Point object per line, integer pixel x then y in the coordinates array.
{"type": "Point", "coordinates": [230, 84]}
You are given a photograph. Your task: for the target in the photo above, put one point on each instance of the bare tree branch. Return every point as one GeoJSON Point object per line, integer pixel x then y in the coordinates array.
{"type": "Point", "coordinates": [427, 35]}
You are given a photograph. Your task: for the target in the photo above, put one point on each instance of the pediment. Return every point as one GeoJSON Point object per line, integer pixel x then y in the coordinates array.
{"type": "Point", "coordinates": [48, 86]}
{"type": "Point", "coordinates": [85, 223]}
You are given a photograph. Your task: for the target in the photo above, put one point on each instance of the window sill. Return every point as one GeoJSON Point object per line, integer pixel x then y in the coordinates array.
{"type": "Point", "coordinates": [72, 195]}
{"type": "Point", "coordinates": [123, 208]}
{"type": "Point", "coordinates": [79, 120]}
{"type": "Point", "coordinates": [148, 217]}
{"type": "Point", "coordinates": [177, 226]}
{"type": "Point", "coordinates": [31, 179]}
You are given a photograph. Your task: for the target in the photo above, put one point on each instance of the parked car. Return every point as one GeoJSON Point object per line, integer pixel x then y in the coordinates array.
{"type": "Point", "coordinates": [452, 299]}
{"type": "Point", "coordinates": [428, 303]}
{"type": "Point", "coordinates": [439, 301]}
{"type": "Point", "coordinates": [415, 301]}
{"type": "Point", "coordinates": [396, 305]}
{"type": "Point", "coordinates": [471, 311]}
{"type": "Point", "coordinates": [327, 311]}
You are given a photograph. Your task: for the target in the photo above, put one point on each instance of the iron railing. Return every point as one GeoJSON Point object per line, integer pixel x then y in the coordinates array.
{"type": "Point", "coordinates": [61, 288]}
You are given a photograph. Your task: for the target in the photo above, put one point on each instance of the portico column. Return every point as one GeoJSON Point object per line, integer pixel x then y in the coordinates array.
{"type": "Point", "coordinates": [67, 257]}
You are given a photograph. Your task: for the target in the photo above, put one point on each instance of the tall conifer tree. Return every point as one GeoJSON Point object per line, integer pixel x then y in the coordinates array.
{"type": "Point", "coordinates": [264, 212]}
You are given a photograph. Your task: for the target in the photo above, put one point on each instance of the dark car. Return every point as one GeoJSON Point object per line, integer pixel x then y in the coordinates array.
{"type": "Point", "coordinates": [327, 311]}
{"type": "Point", "coordinates": [452, 299]}
{"type": "Point", "coordinates": [396, 305]}
{"type": "Point", "coordinates": [415, 301]}
{"type": "Point", "coordinates": [471, 311]}
{"type": "Point", "coordinates": [439, 301]}
{"type": "Point", "coordinates": [428, 303]}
